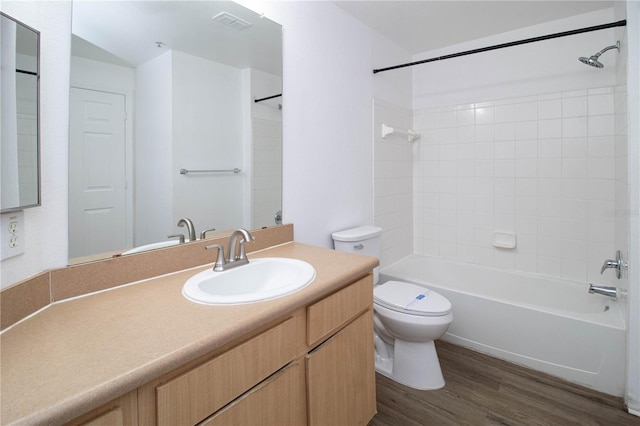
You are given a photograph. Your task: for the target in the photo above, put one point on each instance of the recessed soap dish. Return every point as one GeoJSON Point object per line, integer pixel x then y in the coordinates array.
{"type": "Point", "coordinates": [504, 240]}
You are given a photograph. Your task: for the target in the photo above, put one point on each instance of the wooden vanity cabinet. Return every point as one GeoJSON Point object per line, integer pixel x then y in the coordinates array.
{"type": "Point", "coordinates": [314, 366]}
{"type": "Point", "coordinates": [191, 396]}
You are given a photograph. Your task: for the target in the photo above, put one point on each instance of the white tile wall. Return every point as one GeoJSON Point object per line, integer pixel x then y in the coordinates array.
{"type": "Point", "coordinates": [393, 180]}
{"type": "Point", "coordinates": [541, 167]}
{"type": "Point", "coordinates": [618, 144]}
{"type": "Point", "coordinates": [267, 172]}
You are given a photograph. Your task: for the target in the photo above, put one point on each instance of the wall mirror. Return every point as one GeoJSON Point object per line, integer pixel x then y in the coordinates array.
{"type": "Point", "coordinates": [164, 122]}
{"type": "Point", "coordinates": [20, 140]}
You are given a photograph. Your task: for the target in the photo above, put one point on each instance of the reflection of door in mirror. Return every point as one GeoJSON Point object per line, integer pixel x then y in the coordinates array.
{"type": "Point", "coordinates": [97, 175]}
{"type": "Point", "coordinates": [189, 83]}
{"type": "Point", "coordinates": [19, 159]}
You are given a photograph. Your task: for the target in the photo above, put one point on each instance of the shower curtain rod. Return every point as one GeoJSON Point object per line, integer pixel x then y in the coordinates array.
{"type": "Point", "coordinates": [267, 98]}
{"type": "Point", "coordinates": [19, 71]}
{"type": "Point", "coordinates": [621, 23]}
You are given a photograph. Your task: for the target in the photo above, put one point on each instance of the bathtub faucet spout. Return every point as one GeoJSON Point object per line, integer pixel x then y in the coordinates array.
{"type": "Point", "coordinates": [604, 290]}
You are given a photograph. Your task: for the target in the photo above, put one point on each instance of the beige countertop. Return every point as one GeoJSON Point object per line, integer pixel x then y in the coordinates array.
{"type": "Point", "coordinates": [78, 354]}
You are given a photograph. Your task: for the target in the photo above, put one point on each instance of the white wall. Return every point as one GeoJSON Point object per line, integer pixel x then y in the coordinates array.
{"type": "Point", "coordinates": [206, 135]}
{"type": "Point", "coordinates": [393, 180]}
{"type": "Point", "coordinates": [90, 74]}
{"type": "Point", "coordinates": [27, 131]}
{"type": "Point", "coordinates": [266, 152]}
{"type": "Point", "coordinates": [531, 69]}
{"type": "Point", "coordinates": [153, 150]}
{"type": "Point", "coordinates": [45, 227]}
{"type": "Point", "coordinates": [633, 343]}
{"type": "Point", "coordinates": [328, 151]}
{"type": "Point", "coordinates": [394, 87]}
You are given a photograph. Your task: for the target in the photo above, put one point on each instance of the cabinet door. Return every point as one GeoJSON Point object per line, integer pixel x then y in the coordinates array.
{"type": "Point", "coordinates": [279, 400]}
{"type": "Point", "coordinates": [341, 377]}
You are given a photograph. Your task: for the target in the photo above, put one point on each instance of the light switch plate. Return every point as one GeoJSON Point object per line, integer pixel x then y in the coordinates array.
{"type": "Point", "coordinates": [11, 234]}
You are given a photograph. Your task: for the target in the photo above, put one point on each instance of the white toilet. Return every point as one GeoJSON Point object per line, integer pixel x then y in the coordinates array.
{"type": "Point", "coordinates": [407, 319]}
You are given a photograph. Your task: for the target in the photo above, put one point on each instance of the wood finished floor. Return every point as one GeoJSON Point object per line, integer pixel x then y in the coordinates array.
{"type": "Point", "coordinates": [481, 390]}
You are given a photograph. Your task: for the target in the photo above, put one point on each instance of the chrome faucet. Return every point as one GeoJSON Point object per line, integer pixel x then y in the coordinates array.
{"type": "Point", "coordinates": [604, 290]}
{"type": "Point", "coordinates": [232, 259]}
{"type": "Point", "coordinates": [190, 228]}
{"type": "Point", "coordinates": [240, 255]}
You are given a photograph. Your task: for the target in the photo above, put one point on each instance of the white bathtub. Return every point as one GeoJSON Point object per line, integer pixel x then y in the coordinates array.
{"type": "Point", "coordinates": [547, 324]}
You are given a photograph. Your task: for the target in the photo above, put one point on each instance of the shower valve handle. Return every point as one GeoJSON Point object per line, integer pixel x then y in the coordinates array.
{"type": "Point", "coordinates": [615, 264]}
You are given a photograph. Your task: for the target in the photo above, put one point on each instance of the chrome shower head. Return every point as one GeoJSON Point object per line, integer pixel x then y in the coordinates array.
{"type": "Point", "coordinates": [593, 60]}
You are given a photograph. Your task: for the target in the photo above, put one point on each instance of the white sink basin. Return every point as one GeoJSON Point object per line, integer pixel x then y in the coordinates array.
{"type": "Point", "coordinates": [152, 246]}
{"type": "Point", "coordinates": [260, 279]}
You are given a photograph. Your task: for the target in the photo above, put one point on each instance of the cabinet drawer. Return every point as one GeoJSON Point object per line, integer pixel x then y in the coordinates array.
{"type": "Point", "coordinates": [279, 400]}
{"type": "Point", "coordinates": [122, 411]}
{"type": "Point", "coordinates": [114, 417]}
{"type": "Point", "coordinates": [334, 311]}
{"type": "Point", "coordinates": [200, 392]}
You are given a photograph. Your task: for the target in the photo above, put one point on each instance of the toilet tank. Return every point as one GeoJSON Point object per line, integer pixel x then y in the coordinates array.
{"type": "Point", "coordinates": [362, 240]}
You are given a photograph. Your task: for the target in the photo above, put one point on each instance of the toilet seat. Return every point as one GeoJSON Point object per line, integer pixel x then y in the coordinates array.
{"type": "Point", "coordinates": [411, 299]}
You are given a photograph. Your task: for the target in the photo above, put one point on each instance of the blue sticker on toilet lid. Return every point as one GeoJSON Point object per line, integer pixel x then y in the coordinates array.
{"type": "Point", "coordinates": [411, 298]}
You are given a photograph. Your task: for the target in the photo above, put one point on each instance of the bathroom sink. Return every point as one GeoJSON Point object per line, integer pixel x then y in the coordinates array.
{"type": "Point", "coordinates": [260, 279]}
{"type": "Point", "coordinates": [152, 246]}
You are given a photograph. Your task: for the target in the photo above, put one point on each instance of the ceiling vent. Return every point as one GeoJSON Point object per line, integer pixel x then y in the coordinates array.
{"type": "Point", "coordinates": [232, 21]}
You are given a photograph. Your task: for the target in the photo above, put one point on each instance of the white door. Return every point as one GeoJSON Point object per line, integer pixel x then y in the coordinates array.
{"type": "Point", "coordinates": [97, 173]}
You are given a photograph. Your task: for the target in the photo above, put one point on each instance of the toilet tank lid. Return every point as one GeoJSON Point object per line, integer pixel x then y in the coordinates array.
{"type": "Point", "coordinates": [357, 234]}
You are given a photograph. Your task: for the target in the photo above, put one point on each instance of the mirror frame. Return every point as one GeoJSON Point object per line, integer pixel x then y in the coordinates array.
{"type": "Point", "coordinates": [38, 124]}
{"type": "Point", "coordinates": [38, 182]}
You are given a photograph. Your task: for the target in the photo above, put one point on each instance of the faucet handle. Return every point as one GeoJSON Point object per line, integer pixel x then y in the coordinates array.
{"type": "Point", "coordinates": [617, 264]}
{"type": "Point", "coordinates": [608, 264]}
{"type": "Point", "coordinates": [220, 262]}
{"type": "Point", "coordinates": [203, 234]}
{"type": "Point", "coordinates": [179, 236]}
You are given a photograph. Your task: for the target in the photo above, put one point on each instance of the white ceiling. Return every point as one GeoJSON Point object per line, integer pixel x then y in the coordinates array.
{"type": "Point", "coordinates": [420, 26]}
{"type": "Point", "coordinates": [126, 32]}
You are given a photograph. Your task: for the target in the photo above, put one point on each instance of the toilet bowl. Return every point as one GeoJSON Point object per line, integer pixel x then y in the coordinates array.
{"type": "Point", "coordinates": [407, 319]}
